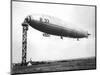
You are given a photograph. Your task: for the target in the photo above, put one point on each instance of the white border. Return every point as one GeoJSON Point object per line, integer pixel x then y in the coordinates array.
{"type": "Point", "coordinates": [5, 37]}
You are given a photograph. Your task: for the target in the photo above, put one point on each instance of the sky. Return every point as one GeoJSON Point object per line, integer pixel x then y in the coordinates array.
{"type": "Point", "coordinates": [40, 48]}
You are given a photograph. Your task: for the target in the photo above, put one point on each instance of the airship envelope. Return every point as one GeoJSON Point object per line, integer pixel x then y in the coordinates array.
{"type": "Point", "coordinates": [54, 26]}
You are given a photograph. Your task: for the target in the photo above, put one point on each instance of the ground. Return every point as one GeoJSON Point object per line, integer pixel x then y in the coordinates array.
{"type": "Point", "coordinates": [63, 65]}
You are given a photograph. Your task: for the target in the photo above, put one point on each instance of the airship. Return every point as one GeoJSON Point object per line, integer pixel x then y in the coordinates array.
{"type": "Point", "coordinates": [50, 25]}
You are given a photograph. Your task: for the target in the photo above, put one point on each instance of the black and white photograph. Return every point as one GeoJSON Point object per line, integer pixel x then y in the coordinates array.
{"type": "Point", "coordinates": [52, 37]}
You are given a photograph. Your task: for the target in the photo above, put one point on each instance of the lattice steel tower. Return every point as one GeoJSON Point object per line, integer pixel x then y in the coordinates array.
{"type": "Point", "coordinates": [24, 42]}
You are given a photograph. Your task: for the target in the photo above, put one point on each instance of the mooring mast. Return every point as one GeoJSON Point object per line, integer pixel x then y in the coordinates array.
{"type": "Point", "coordinates": [24, 42]}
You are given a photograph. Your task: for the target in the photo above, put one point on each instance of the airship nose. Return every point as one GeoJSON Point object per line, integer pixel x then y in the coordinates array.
{"type": "Point", "coordinates": [27, 19]}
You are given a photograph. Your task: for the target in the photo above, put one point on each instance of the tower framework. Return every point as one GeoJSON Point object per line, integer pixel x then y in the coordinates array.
{"type": "Point", "coordinates": [24, 43]}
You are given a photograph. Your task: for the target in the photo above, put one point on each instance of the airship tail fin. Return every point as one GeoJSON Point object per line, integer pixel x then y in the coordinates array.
{"type": "Point", "coordinates": [89, 34]}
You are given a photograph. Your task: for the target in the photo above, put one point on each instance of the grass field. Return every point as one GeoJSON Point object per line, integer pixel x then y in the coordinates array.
{"type": "Point", "coordinates": [63, 65]}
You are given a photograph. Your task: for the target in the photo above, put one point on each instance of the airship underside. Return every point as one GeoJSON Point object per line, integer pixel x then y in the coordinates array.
{"type": "Point", "coordinates": [54, 29]}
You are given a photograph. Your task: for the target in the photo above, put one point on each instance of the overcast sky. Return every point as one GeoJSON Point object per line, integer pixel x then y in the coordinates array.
{"type": "Point", "coordinates": [53, 48]}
